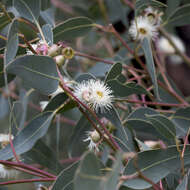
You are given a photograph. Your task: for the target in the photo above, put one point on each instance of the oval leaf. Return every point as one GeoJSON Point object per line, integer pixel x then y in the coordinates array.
{"type": "Point", "coordinates": [150, 64]}
{"type": "Point", "coordinates": [65, 178]}
{"type": "Point", "coordinates": [12, 42]}
{"type": "Point", "coordinates": [115, 70]}
{"type": "Point", "coordinates": [39, 72]}
{"type": "Point", "coordinates": [72, 28]}
{"type": "Point", "coordinates": [88, 174]}
{"type": "Point", "coordinates": [27, 8]}
{"type": "Point", "coordinates": [180, 16]}
{"type": "Point", "coordinates": [155, 165]}
{"type": "Point", "coordinates": [27, 137]}
{"type": "Point", "coordinates": [124, 90]}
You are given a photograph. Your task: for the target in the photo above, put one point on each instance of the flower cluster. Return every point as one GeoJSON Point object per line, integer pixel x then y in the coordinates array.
{"type": "Point", "coordinates": [146, 25]}
{"type": "Point", "coordinates": [95, 94]}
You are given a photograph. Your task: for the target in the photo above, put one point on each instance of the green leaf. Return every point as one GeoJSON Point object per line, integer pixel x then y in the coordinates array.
{"type": "Point", "coordinates": [65, 178]}
{"type": "Point", "coordinates": [115, 70]}
{"type": "Point", "coordinates": [72, 28]}
{"type": "Point", "coordinates": [57, 101]}
{"type": "Point", "coordinates": [123, 134]}
{"type": "Point", "coordinates": [124, 90]}
{"type": "Point", "coordinates": [180, 16]}
{"type": "Point", "coordinates": [12, 42]}
{"type": "Point", "coordinates": [150, 64]}
{"type": "Point", "coordinates": [76, 146]}
{"type": "Point", "coordinates": [10, 77]}
{"type": "Point", "coordinates": [44, 156]}
{"type": "Point", "coordinates": [141, 4]}
{"type": "Point", "coordinates": [28, 136]}
{"type": "Point", "coordinates": [85, 77]}
{"type": "Point", "coordinates": [171, 5]}
{"type": "Point", "coordinates": [165, 126]}
{"type": "Point", "coordinates": [28, 9]}
{"type": "Point", "coordinates": [182, 121]}
{"type": "Point", "coordinates": [88, 173]}
{"type": "Point", "coordinates": [4, 20]}
{"type": "Point", "coordinates": [38, 72]}
{"type": "Point", "coordinates": [138, 122]}
{"type": "Point", "coordinates": [4, 106]}
{"type": "Point", "coordinates": [155, 165]}
{"type": "Point", "coordinates": [48, 34]}
{"type": "Point", "coordinates": [111, 180]}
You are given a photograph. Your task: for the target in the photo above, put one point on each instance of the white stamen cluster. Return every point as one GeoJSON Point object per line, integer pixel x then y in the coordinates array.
{"type": "Point", "coordinates": [146, 25]}
{"type": "Point", "coordinates": [95, 94]}
{"type": "Point", "coordinates": [93, 137]}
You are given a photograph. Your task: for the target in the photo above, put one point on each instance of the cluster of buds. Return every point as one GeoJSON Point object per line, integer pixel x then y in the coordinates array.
{"type": "Point", "coordinates": [58, 52]}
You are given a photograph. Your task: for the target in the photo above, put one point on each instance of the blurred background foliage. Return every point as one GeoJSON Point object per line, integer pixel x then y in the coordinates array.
{"type": "Point", "coordinates": [54, 145]}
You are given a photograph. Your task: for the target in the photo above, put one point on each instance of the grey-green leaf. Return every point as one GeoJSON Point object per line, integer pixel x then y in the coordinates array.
{"type": "Point", "coordinates": [124, 90]}
{"type": "Point", "coordinates": [12, 42]}
{"type": "Point", "coordinates": [65, 178]}
{"type": "Point", "coordinates": [155, 165]}
{"type": "Point", "coordinates": [28, 9]}
{"type": "Point", "coordinates": [123, 134]}
{"type": "Point", "coordinates": [182, 121]}
{"type": "Point", "coordinates": [180, 16]}
{"type": "Point", "coordinates": [88, 174]}
{"type": "Point", "coordinates": [41, 150]}
{"type": "Point", "coordinates": [72, 28]}
{"type": "Point", "coordinates": [115, 70]}
{"type": "Point", "coordinates": [112, 178]}
{"type": "Point", "coordinates": [76, 146]}
{"type": "Point", "coordinates": [38, 72]}
{"type": "Point", "coordinates": [27, 137]}
{"type": "Point", "coordinates": [150, 64]}
{"type": "Point", "coordinates": [165, 126]}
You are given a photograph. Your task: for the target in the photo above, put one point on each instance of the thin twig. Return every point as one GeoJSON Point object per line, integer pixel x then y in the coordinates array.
{"type": "Point", "coordinates": [27, 181]}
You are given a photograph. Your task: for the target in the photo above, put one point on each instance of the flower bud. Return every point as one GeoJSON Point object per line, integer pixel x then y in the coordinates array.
{"type": "Point", "coordinates": [53, 50]}
{"type": "Point", "coordinates": [59, 59]}
{"type": "Point", "coordinates": [95, 136]}
{"type": "Point", "coordinates": [68, 53]}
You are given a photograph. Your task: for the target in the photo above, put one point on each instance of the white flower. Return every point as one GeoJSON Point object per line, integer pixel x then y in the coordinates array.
{"type": "Point", "coordinates": [43, 104]}
{"type": "Point", "coordinates": [101, 97]}
{"type": "Point", "coordinates": [7, 172]}
{"type": "Point", "coordinates": [165, 46]}
{"type": "Point", "coordinates": [93, 137]}
{"type": "Point", "coordinates": [95, 94]}
{"type": "Point", "coordinates": [142, 27]}
{"type": "Point", "coordinates": [83, 92]}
